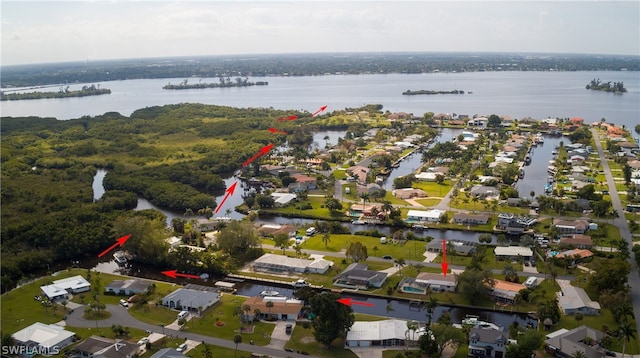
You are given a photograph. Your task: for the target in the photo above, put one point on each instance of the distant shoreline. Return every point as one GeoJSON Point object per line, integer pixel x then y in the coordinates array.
{"type": "Point", "coordinates": [413, 93]}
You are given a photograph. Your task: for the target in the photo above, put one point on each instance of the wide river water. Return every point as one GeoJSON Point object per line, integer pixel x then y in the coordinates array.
{"type": "Point", "coordinates": [517, 94]}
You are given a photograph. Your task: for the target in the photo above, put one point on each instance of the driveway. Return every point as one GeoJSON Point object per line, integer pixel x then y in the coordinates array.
{"type": "Point", "coordinates": [279, 336]}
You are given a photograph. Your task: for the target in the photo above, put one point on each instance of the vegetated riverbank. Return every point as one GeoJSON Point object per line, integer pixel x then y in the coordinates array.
{"type": "Point", "coordinates": [62, 93]}
{"type": "Point", "coordinates": [615, 87]}
{"type": "Point", "coordinates": [224, 83]}
{"type": "Point", "coordinates": [413, 93]}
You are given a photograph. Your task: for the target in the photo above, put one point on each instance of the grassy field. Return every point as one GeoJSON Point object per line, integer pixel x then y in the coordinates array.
{"type": "Point", "coordinates": [434, 189]}
{"type": "Point", "coordinates": [428, 202]}
{"type": "Point", "coordinates": [408, 250]}
{"type": "Point", "coordinates": [223, 311]}
{"type": "Point", "coordinates": [302, 340]}
{"type": "Point", "coordinates": [153, 314]}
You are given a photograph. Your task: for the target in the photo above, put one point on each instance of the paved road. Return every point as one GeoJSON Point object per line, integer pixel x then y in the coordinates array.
{"type": "Point", "coordinates": [121, 316]}
{"type": "Point", "coordinates": [621, 223]}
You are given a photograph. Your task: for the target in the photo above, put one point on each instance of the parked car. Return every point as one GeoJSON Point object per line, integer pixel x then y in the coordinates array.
{"type": "Point", "coordinates": [289, 328]}
{"type": "Point", "coordinates": [387, 257]}
{"type": "Point", "coordinates": [610, 353]}
{"type": "Point", "coordinates": [124, 303]}
{"type": "Point", "coordinates": [182, 347]}
{"type": "Point", "coordinates": [143, 341]}
{"type": "Point", "coordinates": [300, 283]}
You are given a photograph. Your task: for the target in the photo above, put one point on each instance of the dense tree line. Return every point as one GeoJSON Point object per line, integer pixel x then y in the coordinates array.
{"type": "Point", "coordinates": [224, 83]}
{"type": "Point", "coordinates": [597, 85]}
{"type": "Point", "coordinates": [306, 65]}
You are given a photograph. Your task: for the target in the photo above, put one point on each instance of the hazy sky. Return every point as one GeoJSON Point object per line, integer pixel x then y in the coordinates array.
{"type": "Point", "coordinates": [54, 31]}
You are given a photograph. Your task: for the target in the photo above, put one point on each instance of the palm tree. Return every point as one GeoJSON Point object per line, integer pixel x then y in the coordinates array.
{"type": "Point", "coordinates": [326, 238]}
{"type": "Point", "coordinates": [623, 311]}
{"type": "Point", "coordinates": [227, 212]}
{"type": "Point", "coordinates": [375, 250]}
{"type": "Point", "coordinates": [626, 331]}
{"type": "Point", "coordinates": [400, 263]}
{"type": "Point", "coordinates": [412, 326]}
{"type": "Point", "coordinates": [246, 309]}
{"type": "Point", "coordinates": [509, 273]}
{"type": "Point", "coordinates": [364, 197]}
{"type": "Point", "coordinates": [256, 313]}
{"type": "Point", "coordinates": [578, 354]}
{"type": "Point", "coordinates": [389, 308]}
{"type": "Point", "coordinates": [237, 339]}
{"type": "Point", "coordinates": [269, 305]}
{"type": "Point", "coordinates": [298, 248]}
{"type": "Point", "coordinates": [386, 206]}
{"type": "Point", "coordinates": [326, 140]}
{"type": "Point", "coordinates": [430, 306]}
{"type": "Point", "coordinates": [451, 249]}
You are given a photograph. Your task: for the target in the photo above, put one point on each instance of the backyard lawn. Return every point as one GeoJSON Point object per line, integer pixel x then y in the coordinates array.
{"type": "Point", "coordinates": [302, 340]}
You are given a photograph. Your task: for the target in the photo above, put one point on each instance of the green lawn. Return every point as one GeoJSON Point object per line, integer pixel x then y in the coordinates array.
{"type": "Point", "coordinates": [428, 202]}
{"type": "Point", "coordinates": [433, 189]}
{"type": "Point", "coordinates": [302, 340]}
{"type": "Point", "coordinates": [409, 250]}
{"type": "Point", "coordinates": [223, 311]}
{"type": "Point", "coordinates": [152, 314]}
{"type": "Point", "coordinates": [218, 352]}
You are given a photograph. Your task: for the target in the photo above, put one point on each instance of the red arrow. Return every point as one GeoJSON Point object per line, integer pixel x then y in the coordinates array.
{"type": "Point", "coordinates": [229, 191]}
{"type": "Point", "coordinates": [120, 242]}
{"type": "Point", "coordinates": [290, 118]}
{"type": "Point", "coordinates": [444, 264]}
{"type": "Point", "coordinates": [273, 130]}
{"type": "Point", "coordinates": [174, 273]}
{"type": "Point", "coordinates": [264, 150]}
{"type": "Point", "coordinates": [318, 111]}
{"type": "Point", "coordinates": [349, 302]}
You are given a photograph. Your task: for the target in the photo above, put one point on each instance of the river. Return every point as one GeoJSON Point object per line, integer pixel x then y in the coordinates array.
{"type": "Point", "coordinates": [517, 94]}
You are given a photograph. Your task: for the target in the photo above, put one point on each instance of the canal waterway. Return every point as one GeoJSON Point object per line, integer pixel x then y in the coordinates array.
{"type": "Point", "coordinates": [535, 174]}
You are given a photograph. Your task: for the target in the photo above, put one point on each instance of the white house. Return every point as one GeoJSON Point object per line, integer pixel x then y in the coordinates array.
{"type": "Point", "coordinates": [512, 252]}
{"type": "Point", "coordinates": [60, 288]}
{"type": "Point", "coordinates": [427, 176]}
{"type": "Point", "coordinates": [190, 300]}
{"type": "Point", "coordinates": [432, 215]}
{"type": "Point", "coordinates": [283, 199]}
{"type": "Point", "coordinates": [284, 264]}
{"type": "Point", "coordinates": [573, 299]}
{"type": "Point", "coordinates": [43, 339]}
{"type": "Point", "coordinates": [387, 333]}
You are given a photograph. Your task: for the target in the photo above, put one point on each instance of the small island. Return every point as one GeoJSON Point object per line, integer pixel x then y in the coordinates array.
{"type": "Point", "coordinates": [92, 90]}
{"type": "Point", "coordinates": [615, 87]}
{"type": "Point", "coordinates": [224, 82]}
{"type": "Point", "coordinates": [412, 93]}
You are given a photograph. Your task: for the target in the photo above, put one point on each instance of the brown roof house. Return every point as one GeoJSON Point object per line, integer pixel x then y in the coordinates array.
{"type": "Point", "coordinates": [284, 308]}
{"type": "Point", "coordinates": [578, 240]}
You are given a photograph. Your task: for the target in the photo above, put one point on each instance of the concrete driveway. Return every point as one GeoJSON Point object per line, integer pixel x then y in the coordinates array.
{"type": "Point", "coordinates": [279, 337]}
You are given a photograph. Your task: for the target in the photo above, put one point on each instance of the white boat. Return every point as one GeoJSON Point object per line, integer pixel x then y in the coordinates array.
{"type": "Point", "coordinates": [358, 222]}
{"type": "Point", "coordinates": [120, 257]}
{"type": "Point", "coordinates": [477, 323]}
{"type": "Point", "coordinates": [269, 293]}
{"type": "Point", "coordinates": [552, 170]}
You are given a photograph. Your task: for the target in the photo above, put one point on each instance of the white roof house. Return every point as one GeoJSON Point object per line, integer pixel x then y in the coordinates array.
{"type": "Point", "coordinates": [432, 215]}
{"type": "Point", "coordinates": [282, 264]}
{"type": "Point", "coordinates": [513, 251]}
{"type": "Point", "coordinates": [44, 337]}
{"type": "Point", "coordinates": [190, 300]}
{"type": "Point", "coordinates": [283, 199]}
{"type": "Point", "coordinates": [60, 288]}
{"type": "Point", "coordinates": [574, 299]}
{"type": "Point", "coordinates": [427, 176]}
{"type": "Point", "coordinates": [392, 332]}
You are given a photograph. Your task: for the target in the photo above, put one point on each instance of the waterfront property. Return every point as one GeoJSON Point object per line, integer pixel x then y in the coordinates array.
{"type": "Point", "coordinates": [43, 338]}
{"type": "Point", "coordinates": [95, 346]}
{"type": "Point", "coordinates": [488, 342]}
{"type": "Point", "coordinates": [357, 275]}
{"type": "Point", "coordinates": [565, 343]}
{"type": "Point", "coordinates": [461, 248]}
{"type": "Point", "coordinates": [432, 215]}
{"type": "Point", "coordinates": [190, 300]}
{"type": "Point", "coordinates": [575, 254]}
{"type": "Point", "coordinates": [409, 193]}
{"type": "Point", "coordinates": [283, 264]}
{"type": "Point", "coordinates": [283, 199]}
{"type": "Point", "coordinates": [127, 287]}
{"type": "Point", "coordinates": [427, 281]}
{"type": "Point", "coordinates": [580, 241]}
{"type": "Point", "coordinates": [470, 219]}
{"type": "Point", "coordinates": [512, 253]}
{"type": "Point", "coordinates": [571, 227]}
{"type": "Point", "coordinates": [505, 291]}
{"type": "Point", "coordinates": [573, 299]}
{"type": "Point", "coordinates": [283, 308]}
{"type": "Point", "coordinates": [386, 333]}
{"type": "Point", "coordinates": [61, 288]}
{"type": "Point", "coordinates": [481, 191]}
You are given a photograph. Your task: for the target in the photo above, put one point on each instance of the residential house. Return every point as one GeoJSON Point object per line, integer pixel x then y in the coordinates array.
{"type": "Point", "coordinates": [60, 288]}
{"type": "Point", "coordinates": [513, 224]}
{"type": "Point", "coordinates": [283, 264]}
{"type": "Point", "coordinates": [42, 339]}
{"type": "Point", "coordinates": [272, 169]}
{"type": "Point", "coordinates": [297, 187]}
{"type": "Point", "coordinates": [471, 219]}
{"type": "Point", "coordinates": [409, 193]}
{"type": "Point", "coordinates": [572, 300]}
{"type": "Point", "coordinates": [432, 215]}
{"type": "Point", "coordinates": [205, 225]}
{"type": "Point", "coordinates": [127, 287]}
{"type": "Point", "coordinates": [285, 309]}
{"type": "Point", "coordinates": [488, 342]}
{"type": "Point", "coordinates": [571, 226]}
{"type": "Point", "coordinates": [481, 191]}
{"type": "Point", "coordinates": [427, 176]}
{"type": "Point", "coordinates": [460, 247]}
{"type": "Point", "coordinates": [190, 300]}
{"type": "Point", "coordinates": [369, 189]}
{"type": "Point", "coordinates": [580, 241]}
{"type": "Point", "coordinates": [478, 123]}
{"type": "Point", "coordinates": [565, 343]}
{"type": "Point", "coordinates": [427, 281]}
{"type": "Point", "coordinates": [309, 182]}
{"type": "Point", "coordinates": [283, 199]}
{"type": "Point", "coordinates": [576, 254]}
{"type": "Point", "coordinates": [357, 275]}
{"type": "Point", "coordinates": [360, 173]}
{"type": "Point", "coordinates": [512, 253]}
{"type": "Point", "coordinates": [505, 291]}
{"type": "Point", "coordinates": [100, 347]}
{"type": "Point", "coordinates": [386, 333]}
{"type": "Point", "coordinates": [517, 202]}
